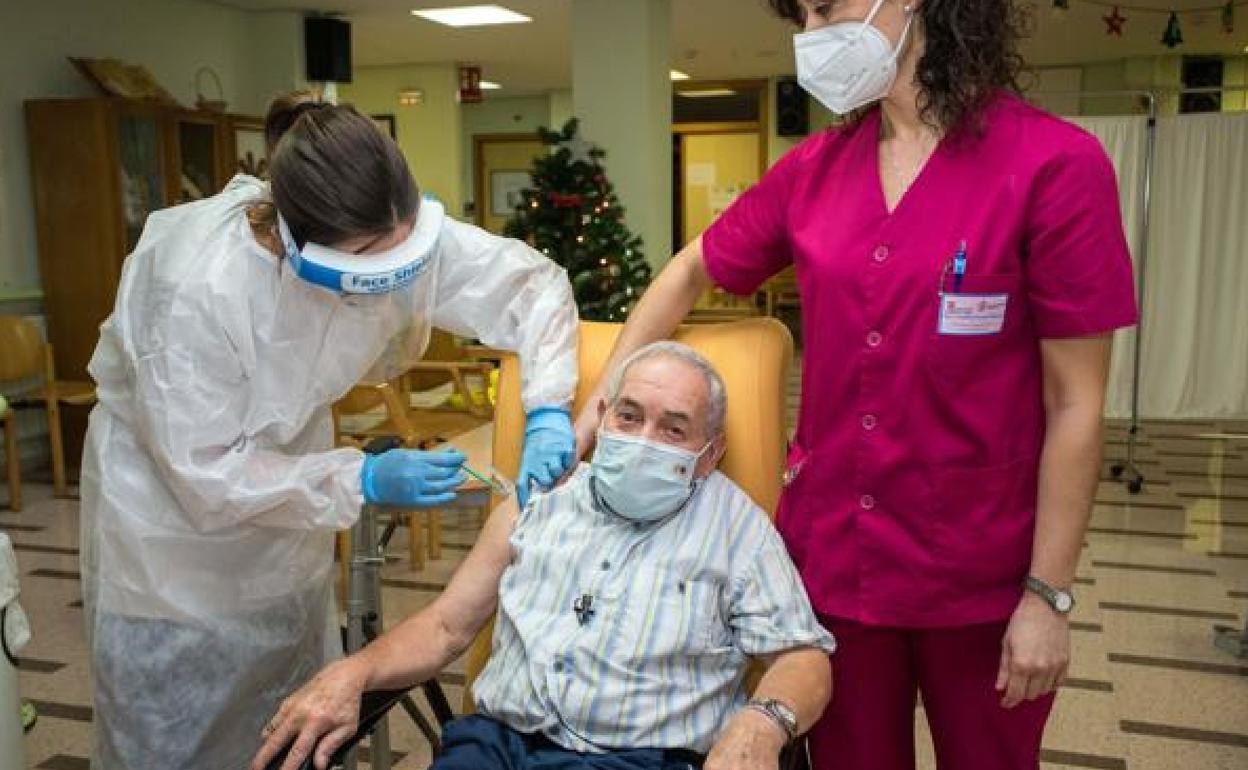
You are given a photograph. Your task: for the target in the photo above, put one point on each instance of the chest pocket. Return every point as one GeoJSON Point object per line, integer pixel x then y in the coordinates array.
{"type": "Point", "coordinates": [961, 363]}
{"type": "Point", "coordinates": [673, 614]}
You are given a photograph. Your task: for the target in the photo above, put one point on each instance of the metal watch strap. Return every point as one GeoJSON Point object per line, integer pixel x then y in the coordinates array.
{"type": "Point", "coordinates": [779, 713]}
{"type": "Point", "coordinates": [1052, 596]}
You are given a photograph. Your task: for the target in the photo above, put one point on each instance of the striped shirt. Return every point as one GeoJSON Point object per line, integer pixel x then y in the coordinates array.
{"type": "Point", "coordinates": [678, 607]}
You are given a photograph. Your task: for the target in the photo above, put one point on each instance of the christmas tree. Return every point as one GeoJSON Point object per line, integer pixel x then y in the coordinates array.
{"type": "Point", "coordinates": [571, 214]}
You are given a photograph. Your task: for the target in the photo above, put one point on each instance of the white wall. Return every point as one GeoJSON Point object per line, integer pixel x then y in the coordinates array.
{"type": "Point", "coordinates": [560, 108]}
{"type": "Point", "coordinates": [430, 134]}
{"type": "Point", "coordinates": [1053, 88]}
{"type": "Point", "coordinates": [255, 55]}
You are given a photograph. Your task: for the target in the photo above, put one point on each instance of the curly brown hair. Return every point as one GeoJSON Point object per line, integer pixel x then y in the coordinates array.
{"type": "Point", "coordinates": [971, 54]}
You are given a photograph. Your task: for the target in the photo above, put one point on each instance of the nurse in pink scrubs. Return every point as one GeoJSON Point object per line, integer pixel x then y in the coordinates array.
{"type": "Point", "coordinates": [962, 266]}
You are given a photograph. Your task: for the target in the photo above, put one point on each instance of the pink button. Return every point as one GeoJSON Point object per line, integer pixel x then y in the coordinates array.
{"type": "Point", "coordinates": [867, 502]}
{"type": "Point", "coordinates": [869, 421]}
{"type": "Point", "coordinates": [874, 339]}
{"type": "Point", "coordinates": [881, 253]}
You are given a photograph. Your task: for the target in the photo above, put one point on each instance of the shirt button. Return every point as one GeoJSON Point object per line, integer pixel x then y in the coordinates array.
{"type": "Point", "coordinates": [874, 339]}
{"type": "Point", "coordinates": [881, 254]}
{"type": "Point", "coordinates": [867, 502]}
{"type": "Point", "coordinates": [606, 565]}
{"type": "Point", "coordinates": [869, 421]}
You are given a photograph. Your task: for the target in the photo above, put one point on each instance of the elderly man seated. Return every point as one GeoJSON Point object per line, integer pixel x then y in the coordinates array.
{"type": "Point", "coordinates": [630, 602]}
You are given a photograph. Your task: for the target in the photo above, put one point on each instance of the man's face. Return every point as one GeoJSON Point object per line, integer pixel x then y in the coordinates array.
{"type": "Point", "coordinates": [665, 400]}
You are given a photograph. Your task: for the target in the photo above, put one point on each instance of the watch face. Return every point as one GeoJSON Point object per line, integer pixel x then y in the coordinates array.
{"type": "Point", "coordinates": [1063, 602]}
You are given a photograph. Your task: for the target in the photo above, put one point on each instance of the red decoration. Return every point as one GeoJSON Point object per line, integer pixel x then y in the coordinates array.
{"type": "Point", "coordinates": [562, 201]}
{"type": "Point", "coordinates": [470, 85]}
{"type": "Point", "coordinates": [1114, 22]}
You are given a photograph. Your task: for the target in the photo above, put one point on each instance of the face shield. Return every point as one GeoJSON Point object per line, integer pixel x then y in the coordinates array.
{"type": "Point", "coordinates": [380, 273]}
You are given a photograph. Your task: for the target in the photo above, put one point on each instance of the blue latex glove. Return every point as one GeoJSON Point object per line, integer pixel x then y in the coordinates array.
{"type": "Point", "coordinates": [407, 478]}
{"type": "Point", "coordinates": [549, 449]}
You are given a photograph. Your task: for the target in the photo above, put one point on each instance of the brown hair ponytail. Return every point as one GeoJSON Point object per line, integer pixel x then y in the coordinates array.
{"type": "Point", "coordinates": [333, 174]}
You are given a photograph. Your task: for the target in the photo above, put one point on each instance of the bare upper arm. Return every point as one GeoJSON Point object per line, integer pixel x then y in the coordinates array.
{"type": "Point", "coordinates": [1075, 370]}
{"type": "Point", "coordinates": [472, 595]}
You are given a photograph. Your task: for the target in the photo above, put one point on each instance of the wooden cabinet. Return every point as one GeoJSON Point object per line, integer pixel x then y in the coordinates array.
{"type": "Point", "coordinates": [98, 168]}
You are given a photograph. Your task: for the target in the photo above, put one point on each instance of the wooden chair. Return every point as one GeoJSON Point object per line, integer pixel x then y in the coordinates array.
{"type": "Point", "coordinates": [447, 360]}
{"type": "Point", "coordinates": [8, 423]}
{"type": "Point", "coordinates": [373, 410]}
{"type": "Point", "coordinates": [29, 375]}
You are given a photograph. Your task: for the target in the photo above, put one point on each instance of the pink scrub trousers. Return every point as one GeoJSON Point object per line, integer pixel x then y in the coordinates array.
{"type": "Point", "coordinates": [878, 672]}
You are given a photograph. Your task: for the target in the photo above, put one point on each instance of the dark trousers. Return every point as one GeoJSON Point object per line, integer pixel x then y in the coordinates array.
{"type": "Point", "coordinates": [480, 743]}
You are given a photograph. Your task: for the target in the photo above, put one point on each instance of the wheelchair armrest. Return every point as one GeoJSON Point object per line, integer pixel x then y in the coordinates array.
{"type": "Point", "coordinates": [795, 756]}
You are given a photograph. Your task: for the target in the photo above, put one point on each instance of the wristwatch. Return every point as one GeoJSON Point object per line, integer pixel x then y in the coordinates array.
{"type": "Point", "coordinates": [778, 712]}
{"type": "Point", "coordinates": [1061, 601]}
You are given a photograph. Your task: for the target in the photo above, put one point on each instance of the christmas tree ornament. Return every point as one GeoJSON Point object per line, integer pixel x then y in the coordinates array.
{"type": "Point", "coordinates": [1173, 35]}
{"type": "Point", "coordinates": [1114, 22]}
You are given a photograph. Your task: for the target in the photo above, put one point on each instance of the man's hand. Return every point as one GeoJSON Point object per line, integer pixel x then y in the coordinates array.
{"type": "Point", "coordinates": [327, 706]}
{"type": "Point", "coordinates": [586, 427]}
{"type": "Point", "coordinates": [751, 741]}
{"type": "Point", "coordinates": [1035, 652]}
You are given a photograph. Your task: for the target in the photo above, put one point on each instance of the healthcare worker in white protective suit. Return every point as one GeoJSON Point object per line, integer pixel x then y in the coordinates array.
{"type": "Point", "coordinates": [211, 490]}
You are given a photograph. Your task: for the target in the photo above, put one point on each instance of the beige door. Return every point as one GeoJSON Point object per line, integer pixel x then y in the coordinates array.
{"type": "Point", "coordinates": [716, 168]}
{"type": "Point", "coordinates": [503, 163]}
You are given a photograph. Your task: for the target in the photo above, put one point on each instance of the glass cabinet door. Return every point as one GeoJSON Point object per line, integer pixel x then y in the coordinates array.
{"type": "Point", "coordinates": [142, 188]}
{"type": "Point", "coordinates": [197, 153]}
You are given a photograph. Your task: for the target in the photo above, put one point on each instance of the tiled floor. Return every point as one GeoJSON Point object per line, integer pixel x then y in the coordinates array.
{"type": "Point", "coordinates": [1148, 689]}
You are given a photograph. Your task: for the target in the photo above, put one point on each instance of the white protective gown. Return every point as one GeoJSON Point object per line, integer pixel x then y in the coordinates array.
{"type": "Point", "coordinates": [211, 490]}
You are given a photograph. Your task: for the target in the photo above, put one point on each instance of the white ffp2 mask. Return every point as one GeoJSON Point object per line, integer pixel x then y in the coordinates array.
{"type": "Point", "coordinates": [849, 64]}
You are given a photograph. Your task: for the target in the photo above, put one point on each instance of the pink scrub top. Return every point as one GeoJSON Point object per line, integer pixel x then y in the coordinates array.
{"type": "Point", "coordinates": [910, 498]}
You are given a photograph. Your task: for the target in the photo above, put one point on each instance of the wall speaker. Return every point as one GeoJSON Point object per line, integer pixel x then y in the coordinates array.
{"type": "Point", "coordinates": [327, 47]}
{"type": "Point", "coordinates": [792, 108]}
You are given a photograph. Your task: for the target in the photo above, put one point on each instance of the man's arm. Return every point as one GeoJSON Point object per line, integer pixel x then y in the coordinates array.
{"type": "Point", "coordinates": [421, 646]}
{"type": "Point", "coordinates": [327, 708]}
{"type": "Point", "coordinates": [801, 679]}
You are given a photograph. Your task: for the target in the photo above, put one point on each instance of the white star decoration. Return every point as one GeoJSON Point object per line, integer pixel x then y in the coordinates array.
{"type": "Point", "coordinates": [579, 149]}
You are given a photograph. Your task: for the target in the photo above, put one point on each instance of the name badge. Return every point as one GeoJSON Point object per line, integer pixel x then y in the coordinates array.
{"type": "Point", "coordinates": [972, 314]}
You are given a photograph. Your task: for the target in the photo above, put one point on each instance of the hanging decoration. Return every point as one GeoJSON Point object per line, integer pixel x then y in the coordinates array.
{"type": "Point", "coordinates": [1114, 22]}
{"type": "Point", "coordinates": [1173, 35]}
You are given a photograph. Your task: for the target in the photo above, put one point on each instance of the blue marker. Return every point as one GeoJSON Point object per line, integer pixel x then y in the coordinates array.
{"type": "Point", "coordinates": [959, 266]}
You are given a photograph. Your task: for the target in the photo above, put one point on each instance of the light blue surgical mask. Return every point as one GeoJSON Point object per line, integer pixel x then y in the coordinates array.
{"type": "Point", "coordinates": [379, 273]}
{"type": "Point", "coordinates": [642, 480]}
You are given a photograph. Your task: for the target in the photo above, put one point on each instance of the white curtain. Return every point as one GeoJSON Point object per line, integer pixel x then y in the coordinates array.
{"type": "Point", "coordinates": [1194, 360]}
